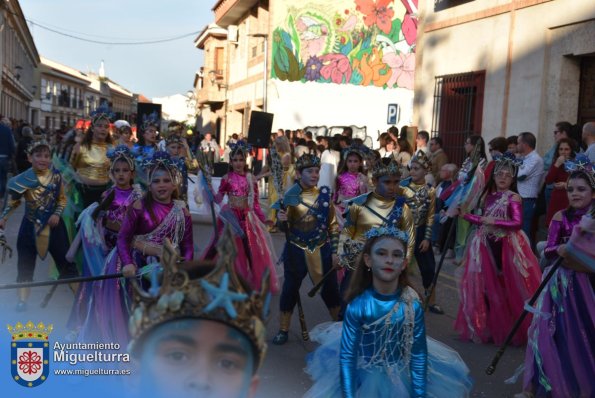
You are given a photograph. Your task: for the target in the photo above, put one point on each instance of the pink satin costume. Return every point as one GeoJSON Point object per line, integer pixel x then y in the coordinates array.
{"type": "Point", "coordinates": [500, 273]}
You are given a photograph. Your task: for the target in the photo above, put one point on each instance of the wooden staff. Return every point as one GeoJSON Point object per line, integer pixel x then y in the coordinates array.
{"type": "Point", "coordinates": [451, 236]}
{"type": "Point", "coordinates": [317, 287]}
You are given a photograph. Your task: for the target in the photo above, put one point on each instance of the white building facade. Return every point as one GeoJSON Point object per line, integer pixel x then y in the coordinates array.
{"type": "Point", "coordinates": [501, 67]}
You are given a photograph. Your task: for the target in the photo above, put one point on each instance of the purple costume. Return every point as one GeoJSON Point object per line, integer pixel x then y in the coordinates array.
{"type": "Point", "coordinates": [560, 360]}
{"type": "Point", "coordinates": [108, 315]}
{"type": "Point", "coordinates": [98, 237]}
{"type": "Point", "coordinates": [114, 216]}
{"type": "Point", "coordinates": [349, 185]}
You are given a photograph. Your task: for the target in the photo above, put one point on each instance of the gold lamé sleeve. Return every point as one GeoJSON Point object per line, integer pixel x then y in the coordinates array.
{"type": "Point", "coordinates": [292, 215]}
{"type": "Point", "coordinates": [75, 156]}
{"type": "Point", "coordinates": [13, 200]}
{"type": "Point", "coordinates": [333, 228]}
{"type": "Point", "coordinates": [191, 164]}
{"type": "Point", "coordinates": [60, 201]}
{"type": "Point", "coordinates": [349, 228]}
{"type": "Point", "coordinates": [408, 226]}
{"type": "Point", "coordinates": [431, 212]}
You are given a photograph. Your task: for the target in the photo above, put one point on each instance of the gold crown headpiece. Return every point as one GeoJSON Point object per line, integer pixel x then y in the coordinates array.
{"type": "Point", "coordinates": [173, 139]}
{"type": "Point", "coordinates": [386, 167]}
{"type": "Point", "coordinates": [219, 296]}
{"type": "Point", "coordinates": [507, 161]}
{"type": "Point", "coordinates": [30, 331]}
{"type": "Point", "coordinates": [423, 159]}
{"type": "Point", "coordinates": [307, 160]}
{"type": "Point", "coordinates": [361, 150]}
{"type": "Point", "coordinates": [174, 127]}
{"type": "Point", "coordinates": [581, 164]}
{"type": "Point", "coordinates": [121, 152]}
{"type": "Point", "coordinates": [38, 143]}
{"type": "Point", "coordinates": [162, 160]}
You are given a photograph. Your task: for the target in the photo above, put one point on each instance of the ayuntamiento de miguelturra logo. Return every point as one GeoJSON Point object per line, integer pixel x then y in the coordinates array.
{"type": "Point", "coordinates": [30, 353]}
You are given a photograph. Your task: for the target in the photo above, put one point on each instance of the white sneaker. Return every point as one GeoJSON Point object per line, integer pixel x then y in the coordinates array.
{"type": "Point", "coordinates": [524, 394]}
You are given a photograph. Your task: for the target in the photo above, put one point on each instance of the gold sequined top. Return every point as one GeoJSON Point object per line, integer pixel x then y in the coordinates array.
{"type": "Point", "coordinates": [35, 198]}
{"type": "Point", "coordinates": [360, 219]}
{"type": "Point", "coordinates": [421, 198]}
{"type": "Point", "coordinates": [92, 164]}
{"type": "Point", "coordinates": [299, 218]}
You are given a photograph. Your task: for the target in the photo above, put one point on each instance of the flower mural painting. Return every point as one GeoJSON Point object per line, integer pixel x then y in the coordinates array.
{"type": "Point", "coordinates": [336, 68]}
{"type": "Point", "coordinates": [403, 69]}
{"type": "Point", "coordinates": [313, 68]}
{"type": "Point", "coordinates": [313, 33]}
{"type": "Point", "coordinates": [376, 13]}
{"type": "Point", "coordinates": [359, 42]}
{"type": "Point", "coordinates": [374, 70]}
{"type": "Point", "coordinates": [410, 21]}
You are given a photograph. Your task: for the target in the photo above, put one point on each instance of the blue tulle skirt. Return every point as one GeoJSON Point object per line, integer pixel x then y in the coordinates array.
{"type": "Point", "coordinates": [446, 371]}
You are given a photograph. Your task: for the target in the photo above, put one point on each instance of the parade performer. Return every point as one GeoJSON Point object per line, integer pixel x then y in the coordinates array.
{"type": "Point", "coordinates": [124, 132]}
{"type": "Point", "coordinates": [175, 148]}
{"type": "Point", "coordinates": [312, 242]}
{"type": "Point", "coordinates": [89, 159]}
{"type": "Point", "coordinates": [42, 230]}
{"type": "Point", "coordinates": [421, 198]}
{"type": "Point", "coordinates": [281, 145]}
{"type": "Point", "coordinates": [147, 223]}
{"type": "Point", "coordinates": [351, 181]}
{"type": "Point", "coordinates": [464, 193]}
{"type": "Point", "coordinates": [381, 346]}
{"type": "Point", "coordinates": [559, 361]}
{"type": "Point", "coordinates": [385, 206]}
{"type": "Point", "coordinates": [99, 226]}
{"type": "Point", "coordinates": [209, 337]}
{"type": "Point", "coordinates": [500, 270]}
{"type": "Point", "coordinates": [147, 142]}
{"type": "Point", "coordinates": [254, 245]}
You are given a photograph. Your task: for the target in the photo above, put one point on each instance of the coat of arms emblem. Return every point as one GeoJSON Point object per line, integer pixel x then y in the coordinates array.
{"type": "Point", "coordinates": [29, 353]}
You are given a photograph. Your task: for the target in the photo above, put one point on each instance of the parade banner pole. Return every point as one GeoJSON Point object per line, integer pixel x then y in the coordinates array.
{"type": "Point", "coordinates": [492, 368]}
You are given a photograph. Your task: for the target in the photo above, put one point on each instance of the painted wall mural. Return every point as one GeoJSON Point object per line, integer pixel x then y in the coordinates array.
{"type": "Point", "coordinates": [359, 42]}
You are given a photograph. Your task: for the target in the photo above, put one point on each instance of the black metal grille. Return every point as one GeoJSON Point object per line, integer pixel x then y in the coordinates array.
{"type": "Point", "coordinates": [458, 107]}
{"type": "Point", "coordinates": [444, 4]}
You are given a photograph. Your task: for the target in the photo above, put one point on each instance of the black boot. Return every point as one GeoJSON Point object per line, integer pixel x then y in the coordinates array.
{"type": "Point", "coordinates": [281, 338]}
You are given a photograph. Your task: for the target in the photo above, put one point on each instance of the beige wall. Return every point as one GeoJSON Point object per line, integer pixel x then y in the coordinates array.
{"type": "Point", "coordinates": [529, 51]}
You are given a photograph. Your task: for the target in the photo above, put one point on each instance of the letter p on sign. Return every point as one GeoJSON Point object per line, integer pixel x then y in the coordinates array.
{"type": "Point", "coordinates": [393, 114]}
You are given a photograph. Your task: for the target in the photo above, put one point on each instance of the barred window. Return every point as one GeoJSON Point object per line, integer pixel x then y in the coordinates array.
{"type": "Point", "coordinates": [458, 108]}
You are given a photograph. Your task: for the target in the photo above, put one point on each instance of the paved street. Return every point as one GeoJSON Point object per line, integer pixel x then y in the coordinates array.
{"type": "Point", "coordinates": [283, 368]}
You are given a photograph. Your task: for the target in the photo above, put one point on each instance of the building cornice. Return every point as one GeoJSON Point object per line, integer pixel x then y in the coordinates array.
{"type": "Point", "coordinates": [227, 12]}
{"type": "Point", "coordinates": [212, 30]}
{"type": "Point", "coordinates": [486, 13]}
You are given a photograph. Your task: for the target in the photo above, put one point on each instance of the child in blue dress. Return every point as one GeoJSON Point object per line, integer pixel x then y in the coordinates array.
{"type": "Point", "coordinates": [381, 349]}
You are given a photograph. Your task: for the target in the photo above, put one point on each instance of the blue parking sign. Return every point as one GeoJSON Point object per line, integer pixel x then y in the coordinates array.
{"type": "Point", "coordinates": [393, 114]}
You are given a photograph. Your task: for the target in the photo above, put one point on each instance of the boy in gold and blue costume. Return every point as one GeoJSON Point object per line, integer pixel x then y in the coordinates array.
{"type": "Point", "coordinates": [421, 197]}
{"type": "Point", "coordinates": [42, 229]}
{"type": "Point", "coordinates": [384, 207]}
{"type": "Point", "coordinates": [313, 237]}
